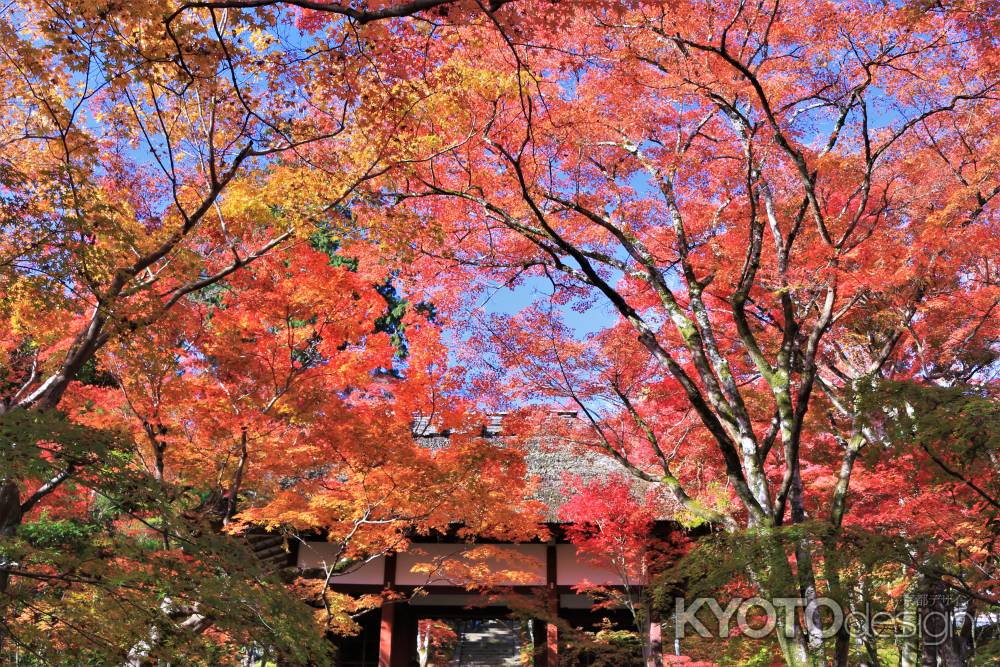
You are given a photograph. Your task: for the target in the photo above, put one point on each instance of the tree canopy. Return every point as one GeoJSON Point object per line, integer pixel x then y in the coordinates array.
{"type": "Point", "coordinates": [245, 244]}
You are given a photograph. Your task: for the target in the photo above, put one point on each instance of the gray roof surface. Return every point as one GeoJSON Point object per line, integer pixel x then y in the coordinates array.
{"type": "Point", "coordinates": [550, 460]}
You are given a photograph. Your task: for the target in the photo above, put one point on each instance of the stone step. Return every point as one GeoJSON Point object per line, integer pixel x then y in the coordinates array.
{"type": "Point", "coordinates": [270, 552]}
{"type": "Point", "coordinates": [493, 643]}
{"type": "Point", "coordinates": [269, 549]}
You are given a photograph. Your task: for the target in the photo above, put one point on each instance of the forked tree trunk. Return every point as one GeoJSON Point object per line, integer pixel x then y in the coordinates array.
{"type": "Point", "coordinates": [780, 582]}
{"type": "Point", "coordinates": [939, 645]}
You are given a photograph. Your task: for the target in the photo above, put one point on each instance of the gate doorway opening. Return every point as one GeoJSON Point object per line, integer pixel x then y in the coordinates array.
{"type": "Point", "coordinates": [473, 642]}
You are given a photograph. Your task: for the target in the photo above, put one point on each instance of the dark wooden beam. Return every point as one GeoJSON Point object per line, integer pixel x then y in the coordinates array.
{"type": "Point", "coordinates": [389, 572]}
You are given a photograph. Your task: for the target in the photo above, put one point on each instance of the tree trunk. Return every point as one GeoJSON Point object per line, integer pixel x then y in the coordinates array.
{"type": "Point", "coordinates": [805, 571]}
{"type": "Point", "coordinates": [939, 640]}
{"type": "Point", "coordinates": [237, 479]}
{"type": "Point", "coordinates": [909, 650]}
{"type": "Point", "coordinates": [831, 561]}
{"type": "Point", "coordinates": [10, 519]}
{"type": "Point", "coordinates": [781, 583]}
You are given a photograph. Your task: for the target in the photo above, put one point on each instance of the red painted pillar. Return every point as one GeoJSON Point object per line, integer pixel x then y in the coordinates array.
{"type": "Point", "coordinates": [546, 644]}
{"type": "Point", "coordinates": [655, 644]}
{"type": "Point", "coordinates": [551, 629]}
{"type": "Point", "coordinates": [551, 645]}
{"type": "Point", "coordinates": [404, 648]}
{"type": "Point", "coordinates": [397, 642]}
{"type": "Point", "coordinates": [385, 634]}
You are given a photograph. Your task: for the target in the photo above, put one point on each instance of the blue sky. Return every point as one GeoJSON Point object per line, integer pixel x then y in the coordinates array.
{"type": "Point", "coordinates": [510, 300]}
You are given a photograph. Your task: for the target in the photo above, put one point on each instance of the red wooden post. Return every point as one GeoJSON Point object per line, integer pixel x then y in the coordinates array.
{"type": "Point", "coordinates": [551, 645]}
{"type": "Point", "coordinates": [655, 644]}
{"type": "Point", "coordinates": [551, 629]}
{"type": "Point", "coordinates": [397, 639]}
{"type": "Point", "coordinates": [385, 634]}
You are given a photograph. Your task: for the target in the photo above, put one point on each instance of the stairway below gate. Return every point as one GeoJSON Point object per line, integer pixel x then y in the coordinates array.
{"type": "Point", "coordinates": [492, 643]}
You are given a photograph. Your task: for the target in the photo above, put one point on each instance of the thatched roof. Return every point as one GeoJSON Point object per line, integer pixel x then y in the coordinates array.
{"type": "Point", "coordinates": [550, 461]}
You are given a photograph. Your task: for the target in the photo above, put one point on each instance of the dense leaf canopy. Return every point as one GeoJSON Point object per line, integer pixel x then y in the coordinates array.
{"type": "Point", "coordinates": [246, 244]}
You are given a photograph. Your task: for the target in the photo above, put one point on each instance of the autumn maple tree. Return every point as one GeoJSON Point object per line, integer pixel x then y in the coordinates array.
{"type": "Point", "coordinates": [781, 208]}
{"type": "Point", "coordinates": [613, 530]}
{"type": "Point", "coordinates": [191, 344]}
{"type": "Point", "coordinates": [244, 242]}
